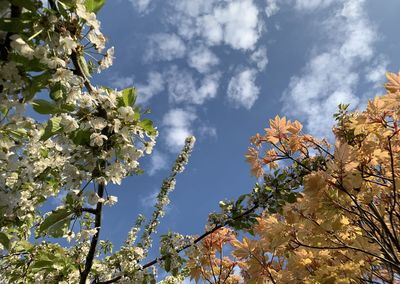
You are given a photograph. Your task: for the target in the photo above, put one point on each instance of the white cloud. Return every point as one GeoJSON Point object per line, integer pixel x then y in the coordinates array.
{"type": "Point", "coordinates": [309, 5]}
{"type": "Point", "coordinates": [177, 126]}
{"type": "Point", "coordinates": [202, 59]}
{"type": "Point", "coordinates": [375, 74]}
{"type": "Point", "coordinates": [121, 82]}
{"type": "Point", "coordinates": [207, 131]}
{"type": "Point", "coordinates": [239, 20]}
{"type": "Point", "coordinates": [259, 57]}
{"type": "Point", "coordinates": [164, 46]}
{"type": "Point", "coordinates": [242, 90]}
{"type": "Point", "coordinates": [272, 8]}
{"type": "Point", "coordinates": [155, 85]}
{"type": "Point", "coordinates": [234, 22]}
{"type": "Point", "coordinates": [182, 87]}
{"type": "Point", "coordinates": [149, 200]}
{"type": "Point", "coordinates": [158, 162]}
{"type": "Point", "coordinates": [142, 6]}
{"type": "Point", "coordinates": [331, 76]}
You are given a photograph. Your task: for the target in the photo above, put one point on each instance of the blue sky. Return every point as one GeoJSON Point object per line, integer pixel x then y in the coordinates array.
{"type": "Point", "coordinates": [220, 69]}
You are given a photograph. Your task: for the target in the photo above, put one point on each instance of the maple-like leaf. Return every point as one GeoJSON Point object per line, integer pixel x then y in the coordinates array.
{"type": "Point", "coordinates": [393, 85]}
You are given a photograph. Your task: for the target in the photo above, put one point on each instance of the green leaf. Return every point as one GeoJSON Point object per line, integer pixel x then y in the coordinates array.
{"type": "Point", "coordinates": [18, 133]}
{"type": "Point", "coordinates": [42, 264]}
{"type": "Point", "coordinates": [5, 241]}
{"type": "Point", "coordinates": [136, 114]}
{"type": "Point", "coordinates": [81, 137]}
{"type": "Point", "coordinates": [240, 199]}
{"type": "Point", "coordinates": [83, 66]}
{"type": "Point", "coordinates": [44, 107]}
{"type": "Point", "coordinates": [67, 108]}
{"type": "Point", "coordinates": [56, 223]}
{"type": "Point", "coordinates": [167, 264]}
{"type": "Point", "coordinates": [129, 96]}
{"type": "Point", "coordinates": [35, 85]}
{"type": "Point", "coordinates": [147, 126]}
{"type": "Point", "coordinates": [291, 197]}
{"type": "Point", "coordinates": [94, 5]}
{"type": "Point", "coordinates": [29, 64]}
{"type": "Point", "coordinates": [53, 127]}
{"type": "Point", "coordinates": [56, 91]}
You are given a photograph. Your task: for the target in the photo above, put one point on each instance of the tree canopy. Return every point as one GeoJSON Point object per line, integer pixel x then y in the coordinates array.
{"type": "Point", "coordinates": [319, 213]}
{"type": "Point", "coordinates": [340, 223]}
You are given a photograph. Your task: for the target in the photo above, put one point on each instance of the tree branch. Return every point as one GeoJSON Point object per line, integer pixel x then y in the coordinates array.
{"type": "Point", "coordinates": [198, 239]}
{"type": "Point", "coordinates": [95, 239]}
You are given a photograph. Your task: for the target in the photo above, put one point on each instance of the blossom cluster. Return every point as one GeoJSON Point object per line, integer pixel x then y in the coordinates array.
{"type": "Point", "coordinates": [79, 135]}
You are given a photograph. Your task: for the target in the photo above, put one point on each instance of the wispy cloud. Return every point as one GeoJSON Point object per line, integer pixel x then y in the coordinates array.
{"type": "Point", "coordinates": [142, 6]}
{"type": "Point", "coordinates": [150, 199]}
{"type": "Point", "coordinates": [202, 59]}
{"type": "Point", "coordinates": [165, 46]}
{"type": "Point", "coordinates": [259, 58]}
{"type": "Point", "coordinates": [310, 5]}
{"type": "Point", "coordinates": [332, 74]}
{"type": "Point", "coordinates": [242, 89]}
{"type": "Point", "coordinates": [155, 85]}
{"type": "Point", "coordinates": [272, 8]}
{"type": "Point", "coordinates": [177, 126]}
{"type": "Point", "coordinates": [158, 161]}
{"type": "Point", "coordinates": [182, 87]}
{"type": "Point", "coordinates": [375, 73]}
{"type": "Point", "coordinates": [121, 82]}
{"type": "Point", "coordinates": [207, 131]}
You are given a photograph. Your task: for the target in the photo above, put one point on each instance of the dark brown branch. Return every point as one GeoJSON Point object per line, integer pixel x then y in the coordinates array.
{"type": "Point", "coordinates": [89, 210]}
{"type": "Point", "coordinates": [95, 239]}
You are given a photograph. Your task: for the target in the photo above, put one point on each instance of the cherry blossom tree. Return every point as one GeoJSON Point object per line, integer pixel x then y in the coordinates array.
{"type": "Point", "coordinates": [64, 138]}
{"type": "Point", "coordinates": [80, 135]}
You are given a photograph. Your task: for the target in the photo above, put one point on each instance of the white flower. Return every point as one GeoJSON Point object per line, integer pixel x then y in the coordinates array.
{"type": "Point", "coordinates": [69, 123]}
{"type": "Point", "coordinates": [97, 139]}
{"type": "Point", "coordinates": [67, 44]}
{"type": "Point", "coordinates": [12, 179]}
{"type": "Point", "coordinates": [139, 252]}
{"type": "Point", "coordinates": [93, 198]}
{"type": "Point", "coordinates": [111, 200]}
{"type": "Point", "coordinates": [117, 125]}
{"type": "Point", "coordinates": [86, 101]}
{"type": "Point", "coordinates": [107, 60]}
{"type": "Point", "coordinates": [126, 113]}
{"type": "Point", "coordinates": [116, 172]}
{"type": "Point", "coordinates": [53, 62]}
{"type": "Point", "coordinates": [148, 147]}
{"type": "Point", "coordinates": [89, 17]}
{"type": "Point", "coordinates": [85, 234]}
{"type": "Point", "coordinates": [69, 236]}
{"type": "Point", "coordinates": [97, 39]}
{"type": "Point", "coordinates": [20, 46]}
{"type": "Point", "coordinates": [98, 123]}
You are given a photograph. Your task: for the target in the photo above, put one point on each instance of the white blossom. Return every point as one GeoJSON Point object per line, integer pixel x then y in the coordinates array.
{"type": "Point", "coordinates": [98, 123]}
{"type": "Point", "coordinates": [97, 139]}
{"type": "Point", "coordinates": [20, 46]}
{"type": "Point", "coordinates": [69, 123]}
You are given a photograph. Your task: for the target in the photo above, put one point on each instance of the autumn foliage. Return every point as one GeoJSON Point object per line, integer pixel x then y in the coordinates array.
{"type": "Point", "coordinates": [343, 224]}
